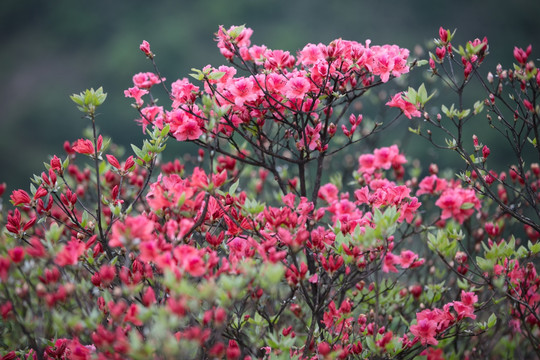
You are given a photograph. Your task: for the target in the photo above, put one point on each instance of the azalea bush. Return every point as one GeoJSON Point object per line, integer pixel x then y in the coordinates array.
{"type": "Point", "coordinates": [265, 245]}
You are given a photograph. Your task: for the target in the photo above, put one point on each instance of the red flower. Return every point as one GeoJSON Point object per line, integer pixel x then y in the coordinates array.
{"type": "Point", "coordinates": [56, 164]}
{"type": "Point", "coordinates": [485, 152]}
{"type": "Point", "coordinates": [85, 146]}
{"type": "Point", "coordinates": [233, 351]}
{"type": "Point", "coordinates": [528, 105]}
{"type": "Point", "coordinates": [521, 55]}
{"type": "Point", "coordinates": [20, 197]}
{"type": "Point", "coordinates": [69, 255]}
{"type": "Point", "coordinates": [16, 254]}
{"type": "Point", "coordinates": [426, 331]}
{"type": "Point", "coordinates": [4, 268]}
{"type": "Point", "coordinates": [149, 297]}
{"type": "Point", "coordinates": [443, 34]}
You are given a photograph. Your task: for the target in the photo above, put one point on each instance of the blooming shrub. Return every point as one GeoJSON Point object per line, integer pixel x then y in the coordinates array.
{"type": "Point", "coordinates": [253, 251]}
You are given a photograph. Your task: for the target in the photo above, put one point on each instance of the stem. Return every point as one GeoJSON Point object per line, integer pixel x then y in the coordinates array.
{"type": "Point", "coordinates": [102, 240]}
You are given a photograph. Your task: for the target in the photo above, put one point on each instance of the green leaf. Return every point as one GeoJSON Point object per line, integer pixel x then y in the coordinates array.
{"type": "Point", "coordinates": [478, 107]}
{"type": "Point", "coordinates": [114, 261]}
{"type": "Point", "coordinates": [84, 219]}
{"type": "Point", "coordinates": [165, 131]}
{"type": "Point", "coordinates": [535, 249]}
{"type": "Point", "coordinates": [370, 343]}
{"type": "Point", "coordinates": [272, 274]}
{"type": "Point", "coordinates": [65, 164]}
{"type": "Point", "coordinates": [198, 74]}
{"type": "Point", "coordinates": [462, 284]}
{"type": "Point", "coordinates": [467, 206]}
{"type": "Point", "coordinates": [422, 93]}
{"type": "Point", "coordinates": [464, 113]}
{"type": "Point", "coordinates": [216, 75]}
{"type": "Point", "coordinates": [137, 151]}
{"type": "Point", "coordinates": [233, 187]}
{"type": "Point", "coordinates": [492, 321]}
{"type": "Point", "coordinates": [236, 31]}
{"type": "Point", "coordinates": [485, 264]}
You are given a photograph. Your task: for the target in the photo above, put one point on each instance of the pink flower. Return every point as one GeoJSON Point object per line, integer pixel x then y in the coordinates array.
{"type": "Point", "coordinates": [69, 255]}
{"type": "Point", "coordinates": [313, 138]}
{"type": "Point", "coordinates": [188, 130]}
{"type": "Point", "coordinates": [146, 80]}
{"type": "Point", "coordinates": [433, 354]}
{"type": "Point", "coordinates": [426, 331]}
{"type": "Point", "coordinates": [132, 230]}
{"type": "Point", "coordinates": [183, 92]}
{"type": "Point", "coordinates": [522, 55]}
{"type": "Point", "coordinates": [408, 108]}
{"type": "Point", "coordinates": [389, 263]}
{"type": "Point", "coordinates": [329, 193]}
{"type": "Point", "coordinates": [278, 59]}
{"type": "Point", "coordinates": [431, 184]}
{"type": "Point", "coordinates": [367, 163]}
{"type": "Point", "coordinates": [310, 54]}
{"type": "Point", "coordinates": [408, 210]}
{"type": "Point", "coordinates": [145, 48]}
{"type": "Point", "coordinates": [137, 94]}
{"type": "Point", "coordinates": [440, 52]}
{"type": "Point", "coordinates": [297, 87]}
{"type": "Point", "coordinates": [468, 298]}
{"type": "Point", "coordinates": [77, 351]}
{"type": "Point", "coordinates": [275, 83]}
{"type": "Point", "coordinates": [383, 66]}
{"type": "Point", "coordinates": [243, 90]}
{"type": "Point", "coordinates": [528, 105]}
{"type": "Point", "coordinates": [407, 258]}
{"type": "Point", "coordinates": [5, 263]}
{"type": "Point", "coordinates": [388, 60]}
{"type": "Point", "coordinates": [386, 157]}
{"type": "Point", "coordinates": [464, 310]}
{"type": "Point", "coordinates": [149, 250]}
{"type": "Point", "coordinates": [190, 259]}
{"type": "Point", "coordinates": [443, 34]}
{"type": "Point", "coordinates": [458, 203]}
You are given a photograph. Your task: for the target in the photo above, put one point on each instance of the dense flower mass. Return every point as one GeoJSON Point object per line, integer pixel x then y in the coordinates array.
{"type": "Point", "coordinates": [272, 241]}
{"type": "Point", "coordinates": [279, 83]}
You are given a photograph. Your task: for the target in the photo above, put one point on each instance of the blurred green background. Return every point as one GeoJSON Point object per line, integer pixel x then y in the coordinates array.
{"type": "Point", "coordinates": [51, 49]}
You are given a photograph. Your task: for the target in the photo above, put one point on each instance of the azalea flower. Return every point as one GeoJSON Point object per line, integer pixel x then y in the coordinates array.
{"type": "Point", "coordinates": [425, 330]}
{"type": "Point", "coordinates": [408, 108]}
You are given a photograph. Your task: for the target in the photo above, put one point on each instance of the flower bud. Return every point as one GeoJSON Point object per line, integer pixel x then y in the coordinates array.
{"type": "Point", "coordinates": [443, 35]}
{"type": "Point", "coordinates": [145, 48]}
{"type": "Point", "coordinates": [485, 152]}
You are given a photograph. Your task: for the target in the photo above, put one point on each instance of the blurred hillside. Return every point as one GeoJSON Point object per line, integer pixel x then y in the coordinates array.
{"type": "Point", "coordinates": [51, 49]}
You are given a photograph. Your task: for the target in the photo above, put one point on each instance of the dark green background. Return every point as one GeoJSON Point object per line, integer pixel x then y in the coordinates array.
{"type": "Point", "coordinates": [51, 49]}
